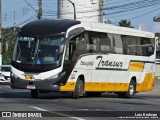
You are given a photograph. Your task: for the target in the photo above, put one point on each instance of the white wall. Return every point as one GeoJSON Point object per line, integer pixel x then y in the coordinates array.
{"type": "Point", "coordinates": [86, 10]}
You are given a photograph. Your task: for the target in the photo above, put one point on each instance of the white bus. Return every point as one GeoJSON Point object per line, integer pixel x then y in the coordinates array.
{"type": "Point", "coordinates": [81, 57]}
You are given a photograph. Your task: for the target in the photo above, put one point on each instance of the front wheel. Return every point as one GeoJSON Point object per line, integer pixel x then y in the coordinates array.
{"type": "Point", "coordinates": [79, 88]}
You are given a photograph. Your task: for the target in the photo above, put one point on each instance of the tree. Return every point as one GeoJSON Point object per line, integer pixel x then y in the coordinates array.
{"type": "Point", "coordinates": [125, 23]}
{"type": "Point", "coordinates": [7, 33]}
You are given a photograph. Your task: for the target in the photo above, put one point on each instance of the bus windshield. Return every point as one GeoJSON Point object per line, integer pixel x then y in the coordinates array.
{"type": "Point", "coordinates": [29, 50]}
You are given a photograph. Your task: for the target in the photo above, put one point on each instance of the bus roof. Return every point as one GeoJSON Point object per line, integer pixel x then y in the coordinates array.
{"type": "Point", "coordinates": [109, 28]}
{"type": "Point", "coordinates": [46, 27]}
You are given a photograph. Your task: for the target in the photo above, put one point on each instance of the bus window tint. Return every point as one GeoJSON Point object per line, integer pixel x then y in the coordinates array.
{"type": "Point", "coordinates": [147, 46]}
{"type": "Point", "coordinates": [93, 43]}
{"type": "Point", "coordinates": [77, 46]}
{"type": "Point", "coordinates": [99, 42]}
{"type": "Point", "coordinates": [132, 45]}
{"type": "Point", "coordinates": [137, 46]}
{"type": "Point", "coordinates": [105, 43]}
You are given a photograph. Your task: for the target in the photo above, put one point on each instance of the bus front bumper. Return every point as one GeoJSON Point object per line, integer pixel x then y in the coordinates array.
{"type": "Point", "coordinates": [41, 85]}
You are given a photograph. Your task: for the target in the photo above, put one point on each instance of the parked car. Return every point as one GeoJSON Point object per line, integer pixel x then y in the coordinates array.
{"type": "Point", "coordinates": [5, 73]}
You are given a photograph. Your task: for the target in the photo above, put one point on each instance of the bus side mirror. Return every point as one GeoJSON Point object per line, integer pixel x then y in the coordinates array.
{"type": "Point", "coordinates": [61, 47]}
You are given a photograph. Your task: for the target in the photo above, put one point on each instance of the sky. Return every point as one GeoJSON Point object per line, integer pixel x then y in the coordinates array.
{"type": "Point", "coordinates": [18, 12]}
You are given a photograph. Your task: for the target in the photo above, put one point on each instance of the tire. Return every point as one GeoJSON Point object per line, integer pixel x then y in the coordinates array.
{"type": "Point", "coordinates": [79, 89]}
{"type": "Point", "coordinates": [131, 90]}
{"type": "Point", "coordinates": [93, 94]}
{"type": "Point", "coordinates": [34, 93]}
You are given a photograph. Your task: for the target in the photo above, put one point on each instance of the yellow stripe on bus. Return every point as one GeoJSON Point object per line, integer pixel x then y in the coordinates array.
{"type": "Point", "coordinates": [68, 87]}
{"type": "Point", "coordinates": [105, 87]}
{"type": "Point", "coordinates": [136, 66]}
{"type": "Point", "coordinates": [96, 87]}
{"type": "Point", "coordinates": [146, 85]}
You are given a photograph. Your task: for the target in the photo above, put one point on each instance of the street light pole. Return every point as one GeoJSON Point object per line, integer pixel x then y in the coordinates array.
{"type": "Point", "coordinates": [74, 8]}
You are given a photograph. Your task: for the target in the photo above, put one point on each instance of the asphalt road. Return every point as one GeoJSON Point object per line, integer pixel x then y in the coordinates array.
{"type": "Point", "coordinates": [63, 107]}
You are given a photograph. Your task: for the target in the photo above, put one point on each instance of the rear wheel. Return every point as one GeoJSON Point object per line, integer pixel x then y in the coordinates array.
{"type": "Point", "coordinates": [34, 93]}
{"type": "Point", "coordinates": [93, 94]}
{"type": "Point", "coordinates": [79, 89]}
{"type": "Point", "coordinates": [131, 90]}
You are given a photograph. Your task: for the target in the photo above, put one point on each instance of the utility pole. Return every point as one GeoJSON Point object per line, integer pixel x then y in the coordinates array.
{"type": "Point", "coordinates": [40, 10]}
{"type": "Point", "coordinates": [101, 11]}
{"type": "Point", "coordinates": [0, 32]}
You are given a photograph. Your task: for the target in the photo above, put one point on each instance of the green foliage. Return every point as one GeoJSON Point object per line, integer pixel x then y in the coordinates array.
{"type": "Point", "coordinates": [125, 23]}
{"type": "Point", "coordinates": [6, 34]}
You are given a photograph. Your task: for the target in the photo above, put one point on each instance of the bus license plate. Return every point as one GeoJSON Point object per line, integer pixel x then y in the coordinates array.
{"type": "Point", "coordinates": [31, 87]}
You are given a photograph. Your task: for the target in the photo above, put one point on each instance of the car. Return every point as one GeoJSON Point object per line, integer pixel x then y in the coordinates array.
{"type": "Point", "coordinates": [5, 73]}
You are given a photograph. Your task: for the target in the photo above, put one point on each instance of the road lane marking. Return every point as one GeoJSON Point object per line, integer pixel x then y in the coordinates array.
{"type": "Point", "coordinates": [61, 114]}
{"type": "Point", "coordinates": [83, 109]}
{"type": "Point", "coordinates": [77, 118]}
{"type": "Point", "coordinates": [37, 108]}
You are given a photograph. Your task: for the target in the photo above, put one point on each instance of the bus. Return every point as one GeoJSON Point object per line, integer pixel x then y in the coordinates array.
{"type": "Point", "coordinates": [82, 58]}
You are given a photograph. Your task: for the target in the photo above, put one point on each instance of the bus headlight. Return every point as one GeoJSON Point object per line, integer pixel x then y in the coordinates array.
{"type": "Point", "coordinates": [53, 77]}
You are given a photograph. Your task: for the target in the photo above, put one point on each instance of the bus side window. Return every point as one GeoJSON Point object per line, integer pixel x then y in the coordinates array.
{"type": "Point", "coordinates": [147, 46]}
{"type": "Point", "coordinates": [77, 46]}
{"type": "Point", "coordinates": [105, 43]}
{"type": "Point", "coordinates": [93, 42]}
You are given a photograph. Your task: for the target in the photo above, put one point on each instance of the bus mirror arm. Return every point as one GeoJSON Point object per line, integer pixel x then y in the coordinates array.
{"type": "Point", "coordinates": [6, 42]}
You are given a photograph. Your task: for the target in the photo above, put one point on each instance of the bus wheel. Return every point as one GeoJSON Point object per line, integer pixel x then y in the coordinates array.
{"type": "Point", "coordinates": [34, 93]}
{"type": "Point", "coordinates": [93, 94]}
{"type": "Point", "coordinates": [78, 91]}
{"type": "Point", "coordinates": [131, 90]}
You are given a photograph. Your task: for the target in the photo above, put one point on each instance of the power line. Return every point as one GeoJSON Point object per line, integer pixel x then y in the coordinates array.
{"type": "Point", "coordinates": [141, 15]}
{"type": "Point", "coordinates": [125, 8]}
{"type": "Point", "coordinates": [112, 10]}
{"type": "Point", "coordinates": [144, 14]}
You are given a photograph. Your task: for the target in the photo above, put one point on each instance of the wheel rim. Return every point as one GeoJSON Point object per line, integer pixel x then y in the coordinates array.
{"type": "Point", "coordinates": [131, 89]}
{"type": "Point", "coordinates": [80, 89]}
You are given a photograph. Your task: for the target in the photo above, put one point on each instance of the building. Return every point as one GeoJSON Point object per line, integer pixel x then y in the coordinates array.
{"type": "Point", "coordinates": [84, 10]}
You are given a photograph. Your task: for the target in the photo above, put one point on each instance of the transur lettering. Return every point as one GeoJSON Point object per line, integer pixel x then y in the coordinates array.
{"type": "Point", "coordinates": [108, 63]}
